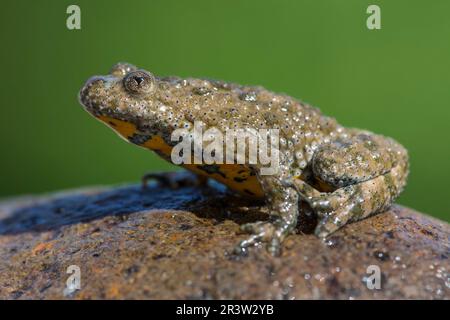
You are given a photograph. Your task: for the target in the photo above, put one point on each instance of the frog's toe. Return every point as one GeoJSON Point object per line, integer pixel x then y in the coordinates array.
{"type": "Point", "coordinates": [274, 246]}
{"type": "Point", "coordinates": [323, 230]}
{"type": "Point", "coordinates": [174, 180]}
{"type": "Point", "coordinates": [265, 232]}
{"type": "Point", "coordinates": [265, 228]}
{"type": "Point", "coordinates": [254, 239]}
{"type": "Point", "coordinates": [331, 223]}
{"type": "Point", "coordinates": [165, 180]}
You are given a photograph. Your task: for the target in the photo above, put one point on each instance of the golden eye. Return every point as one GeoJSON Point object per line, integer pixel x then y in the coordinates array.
{"type": "Point", "coordinates": [139, 82]}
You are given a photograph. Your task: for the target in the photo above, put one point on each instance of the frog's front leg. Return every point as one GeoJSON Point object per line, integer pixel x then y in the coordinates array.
{"type": "Point", "coordinates": [283, 205]}
{"type": "Point", "coordinates": [369, 172]}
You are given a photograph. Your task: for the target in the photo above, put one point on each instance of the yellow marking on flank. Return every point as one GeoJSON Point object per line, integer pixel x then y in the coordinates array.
{"type": "Point", "coordinates": [230, 171]}
{"type": "Point", "coordinates": [123, 128]}
{"type": "Point", "coordinates": [246, 184]}
{"type": "Point", "coordinates": [156, 143]}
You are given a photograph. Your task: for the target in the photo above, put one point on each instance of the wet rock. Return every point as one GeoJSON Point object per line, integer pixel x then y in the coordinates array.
{"type": "Point", "coordinates": [160, 243]}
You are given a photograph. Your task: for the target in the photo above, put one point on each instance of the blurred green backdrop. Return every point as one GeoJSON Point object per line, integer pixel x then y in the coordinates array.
{"type": "Point", "coordinates": [394, 81]}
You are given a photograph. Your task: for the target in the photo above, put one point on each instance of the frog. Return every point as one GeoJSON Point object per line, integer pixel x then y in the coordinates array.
{"type": "Point", "coordinates": [342, 174]}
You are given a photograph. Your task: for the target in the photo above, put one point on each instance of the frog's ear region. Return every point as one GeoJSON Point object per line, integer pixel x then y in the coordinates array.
{"type": "Point", "coordinates": [122, 68]}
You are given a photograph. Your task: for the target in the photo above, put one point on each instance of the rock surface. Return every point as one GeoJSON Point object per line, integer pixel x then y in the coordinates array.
{"type": "Point", "coordinates": [160, 243]}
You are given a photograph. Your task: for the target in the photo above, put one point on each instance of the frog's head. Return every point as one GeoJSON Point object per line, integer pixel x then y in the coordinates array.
{"type": "Point", "coordinates": [125, 99]}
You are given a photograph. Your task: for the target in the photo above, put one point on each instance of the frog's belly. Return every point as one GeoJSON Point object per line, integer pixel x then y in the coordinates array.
{"type": "Point", "coordinates": [237, 177]}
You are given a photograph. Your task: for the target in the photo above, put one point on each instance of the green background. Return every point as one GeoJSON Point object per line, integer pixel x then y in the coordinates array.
{"type": "Point", "coordinates": [394, 81]}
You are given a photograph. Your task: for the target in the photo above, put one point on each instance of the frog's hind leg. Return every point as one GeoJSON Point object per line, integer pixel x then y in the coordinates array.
{"type": "Point", "coordinates": [369, 172]}
{"type": "Point", "coordinates": [356, 202]}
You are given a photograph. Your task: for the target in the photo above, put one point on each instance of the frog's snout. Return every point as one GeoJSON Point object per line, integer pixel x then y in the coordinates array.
{"type": "Point", "coordinates": [92, 91]}
{"type": "Point", "coordinates": [95, 80]}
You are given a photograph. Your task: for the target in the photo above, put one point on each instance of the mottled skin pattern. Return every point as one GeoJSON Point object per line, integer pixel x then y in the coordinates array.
{"type": "Point", "coordinates": [344, 175]}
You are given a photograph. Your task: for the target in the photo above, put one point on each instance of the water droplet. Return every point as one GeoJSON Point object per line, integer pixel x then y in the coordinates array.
{"type": "Point", "coordinates": [332, 242]}
{"type": "Point", "coordinates": [380, 255]}
{"type": "Point", "coordinates": [201, 91]}
{"type": "Point", "coordinates": [248, 96]}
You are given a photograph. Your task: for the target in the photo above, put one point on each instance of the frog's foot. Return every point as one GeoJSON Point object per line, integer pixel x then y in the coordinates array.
{"type": "Point", "coordinates": [283, 205]}
{"type": "Point", "coordinates": [271, 233]}
{"type": "Point", "coordinates": [333, 218]}
{"type": "Point", "coordinates": [369, 172]}
{"type": "Point", "coordinates": [174, 180]}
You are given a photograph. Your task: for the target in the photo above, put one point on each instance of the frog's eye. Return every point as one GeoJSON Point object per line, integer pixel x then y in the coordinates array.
{"type": "Point", "coordinates": [139, 82]}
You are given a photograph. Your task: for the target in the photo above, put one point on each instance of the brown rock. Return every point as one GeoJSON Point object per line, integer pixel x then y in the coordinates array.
{"type": "Point", "coordinates": [168, 244]}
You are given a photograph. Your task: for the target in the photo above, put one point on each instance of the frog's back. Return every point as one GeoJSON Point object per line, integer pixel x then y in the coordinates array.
{"type": "Point", "coordinates": [229, 106]}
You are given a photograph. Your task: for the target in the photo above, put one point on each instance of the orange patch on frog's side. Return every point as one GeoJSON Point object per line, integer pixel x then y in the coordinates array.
{"type": "Point", "coordinates": [123, 128]}
{"type": "Point", "coordinates": [156, 143]}
{"type": "Point", "coordinates": [236, 177]}
{"type": "Point", "coordinates": [246, 183]}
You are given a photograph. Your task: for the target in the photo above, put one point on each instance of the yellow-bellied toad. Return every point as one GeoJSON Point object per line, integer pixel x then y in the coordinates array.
{"type": "Point", "coordinates": [343, 174]}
